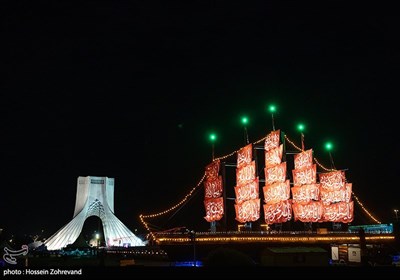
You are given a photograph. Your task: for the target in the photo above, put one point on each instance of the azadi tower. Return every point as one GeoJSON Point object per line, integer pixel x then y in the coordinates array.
{"type": "Point", "coordinates": [94, 197]}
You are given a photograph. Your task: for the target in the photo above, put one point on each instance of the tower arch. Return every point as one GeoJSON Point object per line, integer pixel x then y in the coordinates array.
{"type": "Point", "coordinates": [94, 197]}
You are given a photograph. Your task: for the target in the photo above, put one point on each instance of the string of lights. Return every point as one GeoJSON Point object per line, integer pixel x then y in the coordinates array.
{"type": "Point", "coordinates": [281, 239]}
{"type": "Point", "coordinates": [364, 209]}
{"type": "Point", "coordinates": [143, 217]}
{"type": "Point", "coordinates": [187, 196]}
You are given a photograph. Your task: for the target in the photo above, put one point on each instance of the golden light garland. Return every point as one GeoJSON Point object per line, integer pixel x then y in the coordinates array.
{"type": "Point", "coordinates": [281, 239]}
{"type": "Point", "coordinates": [143, 217]}
{"type": "Point", "coordinates": [364, 209]}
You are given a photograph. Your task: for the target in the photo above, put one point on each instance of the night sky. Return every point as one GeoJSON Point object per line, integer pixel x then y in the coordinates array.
{"type": "Point", "coordinates": [131, 90]}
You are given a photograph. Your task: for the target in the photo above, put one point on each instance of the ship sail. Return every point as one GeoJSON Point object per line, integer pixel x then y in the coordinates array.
{"type": "Point", "coordinates": [306, 204]}
{"type": "Point", "coordinates": [336, 197]}
{"type": "Point", "coordinates": [213, 189]}
{"type": "Point", "coordinates": [247, 202]}
{"type": "Point", "coordinates": [277, 207]}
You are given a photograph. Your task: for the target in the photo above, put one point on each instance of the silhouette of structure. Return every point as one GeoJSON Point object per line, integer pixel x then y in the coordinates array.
{"type": "Point", "coordinates": [94, 197]}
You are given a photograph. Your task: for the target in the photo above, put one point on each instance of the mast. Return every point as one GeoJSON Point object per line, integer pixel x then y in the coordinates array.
{"type": "Point", "coordinates": [213, 194]}
{"type": "Point", "coordinates": [247, 202]}
{"type": "Point", "coordinates": [305, 191]}
{"type": "Point", "coordinates": [277, 207]}
{"type": "Point", "coordinates": [338, 206]}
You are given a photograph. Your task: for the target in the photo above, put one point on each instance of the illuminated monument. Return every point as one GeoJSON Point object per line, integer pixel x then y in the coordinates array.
{"type": "Point", "coordinates": [94, 197]}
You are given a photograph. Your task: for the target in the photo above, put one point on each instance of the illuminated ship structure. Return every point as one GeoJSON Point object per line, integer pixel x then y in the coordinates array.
{"type": "Point", "coordinates": [94, 197]}
{"type": "Point", "coordinates": [303, 196]}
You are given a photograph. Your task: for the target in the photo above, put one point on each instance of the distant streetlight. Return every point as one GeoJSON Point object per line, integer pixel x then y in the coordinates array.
{"type": "Point", "coordinates": [395, 212]}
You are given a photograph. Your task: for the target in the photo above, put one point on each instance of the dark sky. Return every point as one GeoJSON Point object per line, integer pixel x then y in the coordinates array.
{"type": "Point", "coordinates": [131, 89]}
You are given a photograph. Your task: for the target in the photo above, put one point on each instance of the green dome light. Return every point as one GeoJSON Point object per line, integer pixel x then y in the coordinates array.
{"type": "Point", "coordinates": [329, 146]}
{"type": "Point", "coordinates": [213, 137]}
{"type": "Point", "coordinates": [301, 127]}
{"type": "Point", "coordinates": [272, 108]}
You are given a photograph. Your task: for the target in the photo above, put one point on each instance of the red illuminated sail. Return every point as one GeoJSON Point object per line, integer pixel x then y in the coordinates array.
{"type": "Point", "coordinates": [328, 197]}
{"type": "Point", "coordinates": [247, 192]}
{"type": "Point", "coordinates": [246, 174]}
{"type": "Point", "coordinates": [277, 207]}
{"type": "Point", "coordinates": [247, 188]}
{"type": "Point", "coordinates": [212, 170]}
{"type": "Point", "coordinates": [274, 156]}
{"type": "Point", "coordinates": [305, 191]}
{"type": "Point", "coordinates": [339, 212]}
{"type": "Point", "coordinates": [308, 212]}
{"type": "Point", "coordinates": [305, 175]}
{"type": "Point", "coordinates": [272, 140]}
{"type": "Point", "coordinates": [213, 189]}
{"type": "Point", "coordinates": [244, 156]}
{"type": "Point", "coordinates": [303, 159]}
{"type": "Point", "coordinates": [278, 212]}
{"type": "Point", "coordinates": [334, 180]}
{"type": "Point", "coordinates": [276, 192]}
{"type": "Point", "coordinates": [248, 211]}
{"type": "Point", "coordinates": [336, 197]}
{"type": "Point", "coordinates": [275, 174]}
{"type": "Point", "coordinates": [214, 209]}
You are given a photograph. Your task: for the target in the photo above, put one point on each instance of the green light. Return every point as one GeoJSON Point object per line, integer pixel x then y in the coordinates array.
{"type": "Point", "coordinates": [213, 137]}
{"type": "Point", "coordinates": [329, 146]}
{"type": "Point", "coordinates": [272, 108]}
{"type": "Point", "coordinates": [245, 120]}
{"type": "Point", "coordinates": [300, 127]}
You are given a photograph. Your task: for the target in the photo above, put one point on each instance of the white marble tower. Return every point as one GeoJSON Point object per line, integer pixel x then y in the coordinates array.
{"type": "Point", "coordinates": [94, 197]}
